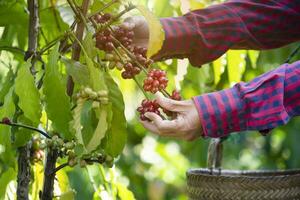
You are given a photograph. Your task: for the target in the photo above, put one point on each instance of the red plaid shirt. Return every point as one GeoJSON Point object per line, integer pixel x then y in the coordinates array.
{"type": "Point", "coordinates": [204, 35]}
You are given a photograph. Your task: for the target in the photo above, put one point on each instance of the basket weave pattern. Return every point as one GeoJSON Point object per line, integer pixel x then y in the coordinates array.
{"type": "Point", "coordinates": [243, 185]}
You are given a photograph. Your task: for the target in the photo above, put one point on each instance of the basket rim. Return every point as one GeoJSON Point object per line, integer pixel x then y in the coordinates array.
{"type": "Point", "coordinates": [243, 173]}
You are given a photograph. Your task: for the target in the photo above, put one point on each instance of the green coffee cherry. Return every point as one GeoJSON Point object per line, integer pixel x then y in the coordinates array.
{"type": "Point", "coordinates": [72, 162]}
{"type": "Point", "coordinates": [96, 104]}
{"type": "Point", "coordinates": [49, 142]}
{"type": "Point", "coordinates": [69, 145]}
{"type": "Point", "coordinates": [109, 57]}
{"type": "Point", "coordinates": [102, 93]}
{"type": "Point", "coordinates": [60, 142]}
{"type": "Point", "coordinates": [82, 163]}
{"type": "Point", "coordinates": [43, 146]}
{"type": "Point", "coordinates": [55, 137]}
{"type": "Point", "coordinates": [93, 95]}
{"type": "Point", "coordinates": [119, 66]}
{"type": "Point", "coordinates": [88, 90]}
{"type": "Point", "coordinates": [104, 100]}
{"type": "Point", "coordinates": [71, 154]}
{"type": "Point", "coordinates": [112, 65]}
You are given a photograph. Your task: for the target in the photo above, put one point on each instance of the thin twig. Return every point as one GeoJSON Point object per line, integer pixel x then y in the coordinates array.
{"type": "Point", "coordinates": [27, 127]}
{"type": "Point", "coordinates": [12, 49]}
{"type": "Point", "coordinates": [103, 8]}
{"type": "Point", "coordinates": [76, 47]}
{"type": "Point", "coordinates": [48, 186]}
{"type": "Point", "coordinates": [141, 88]}
{"type": "Point", "coordinates": [58, 168]}
{"type": "Point", "coordinates": [115, 18]}
{"type": "Point", "coordinates": [165, 93]}
{"type": "Point", "coordinates": [131, 56]}
{"type": "Point", "coordinates": [24, 171]}
{"type": "Point", "coordinates": [53, 42]}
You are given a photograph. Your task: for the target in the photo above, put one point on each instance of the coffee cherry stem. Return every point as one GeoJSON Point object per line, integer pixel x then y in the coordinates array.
{"type": "Point", "coordinates": [131, 56]}
{"type": "Point", "coordinates": [73, 7]}
{"type": "Point", "coordinates": [103, 8]}
{"type": "Point", "coordinates": [119, 55]}
{"type": "Point", "coordinates": [141, 88]}
{"type": "Point", "coordinates": [27, 127]}
{"type": "Point", "coordinates": [115, 18]}
{"type": "Point", "coordinates": [165, 93]}
{"type": "Point", "coordinates": [58, 168]}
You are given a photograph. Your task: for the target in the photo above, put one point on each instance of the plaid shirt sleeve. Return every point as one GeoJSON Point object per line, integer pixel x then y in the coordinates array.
{"type": "Point", "coordinates": [266, 102]}
{"type": "Point", "coordinates": [204, 35]}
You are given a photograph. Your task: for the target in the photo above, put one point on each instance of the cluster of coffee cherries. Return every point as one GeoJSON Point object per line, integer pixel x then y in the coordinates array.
{"type": "Point", "coordinates": [36, 153]}
{"type": "Point", "coordinates": [153, 106]}
{"type": "Point", "coordinates": [148, 106]}
{"type": "Point", "coordinates": [106, 40]}
{"type": "Point", "coordinates": [132, 69]}
{"type": "Point", "coordinates": [156, 80]}
{"type": "Point", "coordinates": [56, 143]}
{"type": "Point", "coordinates": [87, 93]}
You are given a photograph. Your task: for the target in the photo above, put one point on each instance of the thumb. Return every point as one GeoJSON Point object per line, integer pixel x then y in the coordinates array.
{"type": "Point", "coordinates": [128, 24]}
{"type": "Point", "coordinates": [153, 117]}
{"type": "Point", "coordinates": [166, 103]}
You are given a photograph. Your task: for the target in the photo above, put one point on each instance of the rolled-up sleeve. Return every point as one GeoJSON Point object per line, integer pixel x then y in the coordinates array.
{"type": "Point", "coordinates": [204, 35]}
{"type": "Point", "coordinates": [264, 103]}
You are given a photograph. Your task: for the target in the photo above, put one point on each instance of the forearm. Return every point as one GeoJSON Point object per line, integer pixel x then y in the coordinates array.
{"type": "Point", "coordinates": [266, 102]}
{"type": "Point", "coordinates": [204, 35]}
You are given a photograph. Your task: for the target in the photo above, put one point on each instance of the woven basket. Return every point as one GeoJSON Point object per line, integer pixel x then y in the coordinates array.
{"type": "Point", "coordinates": [234, 185]}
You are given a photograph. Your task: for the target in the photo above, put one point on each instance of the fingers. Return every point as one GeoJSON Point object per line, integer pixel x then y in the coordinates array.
{"type": "Point", "coordinates": [164, 126]}
{"type": "Point", "coordinates": [128, 23]}
{"type": "Point", "coordinates": [158, 125]}
{"type": "Point", "coordinates": [168, 104]}
{"type": "Point", "coordinates": [152, 127]}
{"type": "Point", "coordinates": [132, 22]}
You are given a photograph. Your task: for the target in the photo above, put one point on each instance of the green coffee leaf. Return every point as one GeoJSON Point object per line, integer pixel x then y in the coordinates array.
{"type": "Point", "coordinates": [100, 131]}
{"type": "Point", "coordinates": [69, 195]}
{"type": "Point", "coordinates": [58, 106]}
{"type": "Point", "coordinates": [124, 193]}
{"type": "Point", "coordinates": [7, 110]}
{"type": "Point", "coordinates": [22, 135]}
{"type": "Point", "coordinates": [29, 97]}
{"type": "Point", "coordinates": [97, 82]}
{"type": "Point", "coordinates": [156, 32]}
{"type": "Point", "coordinates": [79, 72]}
{"type": "Point", "coordinates": [116, 136]}
{"type": "Point", "coordinates": [77, 120]}
{"type": "Point", "coordinates": [8, 82]}
{"type": "Point", "coordinates": [5, 178]}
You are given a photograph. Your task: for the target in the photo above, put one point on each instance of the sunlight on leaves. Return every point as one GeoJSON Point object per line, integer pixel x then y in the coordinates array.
{"type": "Point", "coordinates": [156, 32]}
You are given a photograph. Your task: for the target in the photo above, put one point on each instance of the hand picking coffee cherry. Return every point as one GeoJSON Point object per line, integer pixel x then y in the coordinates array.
{"type": "Point", "coordinates": [148, 106]}
{"type": "Point", "coordinates": [6, 120]}
{"type": "Point", "coordinates": [156, 80]}
{"type": "Point", "coordinates": [175, 96]}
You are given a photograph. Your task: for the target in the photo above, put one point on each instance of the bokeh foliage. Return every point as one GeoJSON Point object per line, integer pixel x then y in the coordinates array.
{"type": "Point", "coordinates": [152, 167]}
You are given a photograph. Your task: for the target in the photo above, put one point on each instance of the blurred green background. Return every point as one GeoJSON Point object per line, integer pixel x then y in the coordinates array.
{"type": "Point", "coordinates": [154, 168]}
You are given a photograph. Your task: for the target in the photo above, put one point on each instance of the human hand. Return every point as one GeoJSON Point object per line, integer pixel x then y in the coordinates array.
{"type": "Point", "coordinates": [139, 26]}
{"type": "Point", "coordinates": [186, 125]}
